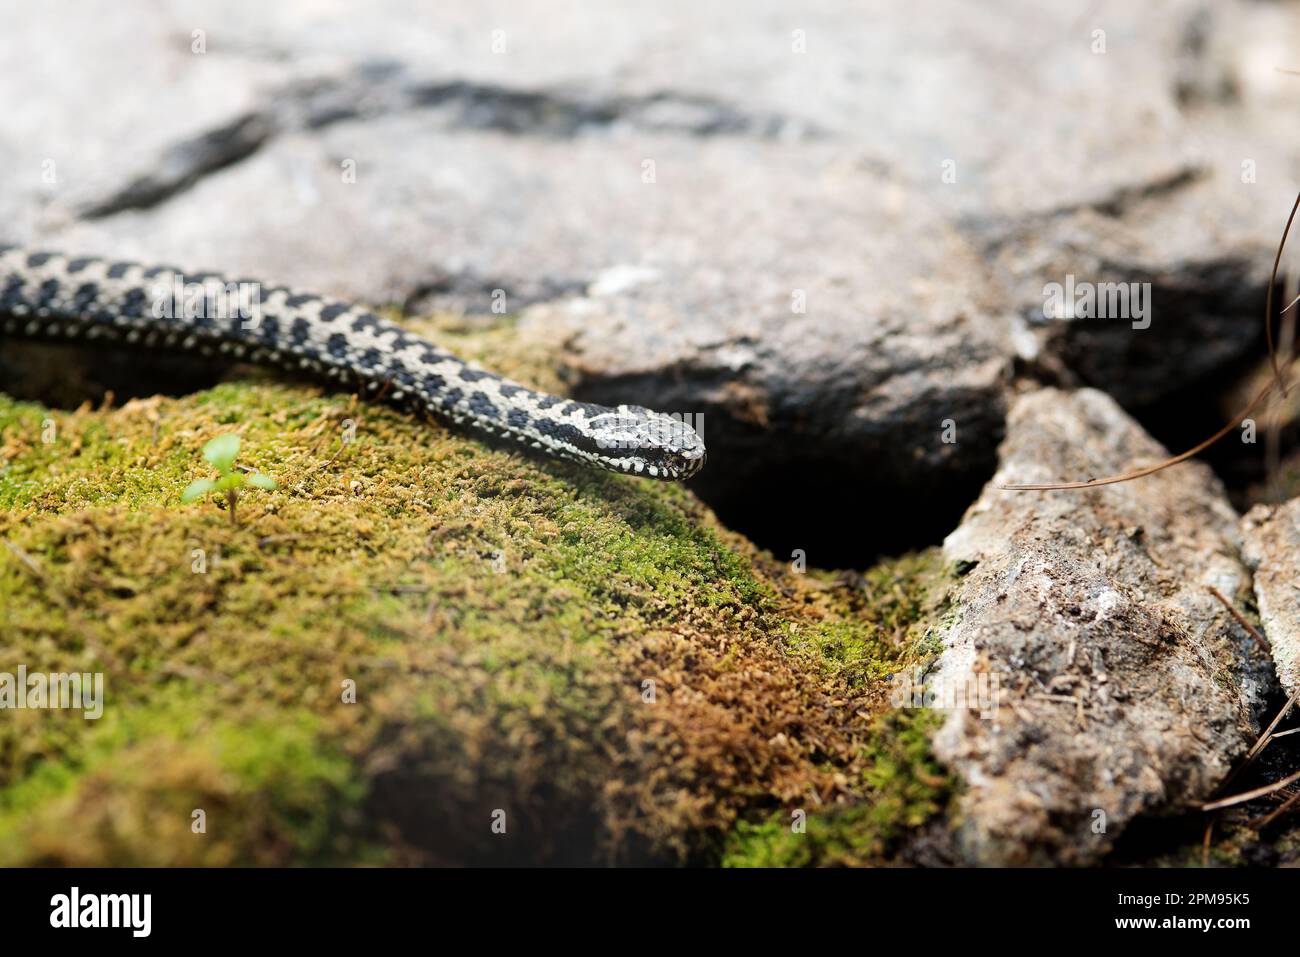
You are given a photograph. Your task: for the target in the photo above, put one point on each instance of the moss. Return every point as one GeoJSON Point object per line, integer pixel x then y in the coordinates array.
{"type": "Point", "coordinates": [590, 654]}
{"type": "Point", "coordinates": [166, 783]}
{"type": "Point", "coordinates": [903, 790]}
{"type": "Point", "coordinates": [877, 623]}
{"type": "Point", "coordinates": [875, 626]}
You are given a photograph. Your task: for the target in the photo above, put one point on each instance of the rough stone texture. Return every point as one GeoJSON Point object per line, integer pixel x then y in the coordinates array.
{"type": "Point", "coordinates": [1125, 687]}
{"type": "Point", "coordinates": [777, 173]}
{"type": "Point", "coordinates": [1272, 550]}
{"type": "Point", "coordinates": [1189, 190]}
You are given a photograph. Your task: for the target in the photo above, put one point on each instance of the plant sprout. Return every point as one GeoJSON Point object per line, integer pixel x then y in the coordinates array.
{"type": "Point", "coordinates": [221, 452]}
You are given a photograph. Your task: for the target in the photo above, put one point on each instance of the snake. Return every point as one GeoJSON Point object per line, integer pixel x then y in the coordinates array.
{"type": "Point", "coordinates": [91, 300]}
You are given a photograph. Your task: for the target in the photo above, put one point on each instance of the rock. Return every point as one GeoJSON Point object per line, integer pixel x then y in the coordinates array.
{"type": "Point", "coordinates": [1112, 683]}
{"type": "Point", "coordinates": [843, 249]}
{"type": "Point", "coordinates": [812, 376]}
{"type": "Point", "coordinates": [1272, 536]}
{"type": "Point", "coordinates": [1163, 172]}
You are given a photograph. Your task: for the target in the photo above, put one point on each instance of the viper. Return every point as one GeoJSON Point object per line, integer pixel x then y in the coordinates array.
{"type": "Point", "coordinates": [50, 296]}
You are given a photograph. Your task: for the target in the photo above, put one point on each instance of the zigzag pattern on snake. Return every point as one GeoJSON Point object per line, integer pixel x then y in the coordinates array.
{"type": "Point", "coordinates": [50, 296]}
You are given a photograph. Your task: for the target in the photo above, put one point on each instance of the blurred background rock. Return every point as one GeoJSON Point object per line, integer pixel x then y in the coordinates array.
{"type": "Point", "coordinates": [826, 228]}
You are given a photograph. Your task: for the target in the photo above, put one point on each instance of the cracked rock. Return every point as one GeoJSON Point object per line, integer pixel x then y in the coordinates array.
{"type": "Point", "coordinates": [1188, 201]}
{"type": "Point", "coordinates": [1114, 684]}
{"type": "Point", "coordinates": [839, 229]}
{"type": "Point", "coordinates": [804, 366]}
{"type": "Point", "coordinates": [1272, 534]}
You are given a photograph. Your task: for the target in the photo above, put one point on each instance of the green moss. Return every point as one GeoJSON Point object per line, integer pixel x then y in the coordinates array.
{"type": "Point", "coordinates": [903, 790]}
{"type": "Point", "coordinates": [879, 624]}
{"type": "Point", "coordinates": [126, 789]}
{"type": "Point", "coordinates": [875, 626]}
{"type": "Point", "coordinates": [591, 654]}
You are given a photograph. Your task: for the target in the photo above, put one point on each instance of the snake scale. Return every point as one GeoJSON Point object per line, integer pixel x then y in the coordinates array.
{"type": "Point", "coordinates": [86, 299]}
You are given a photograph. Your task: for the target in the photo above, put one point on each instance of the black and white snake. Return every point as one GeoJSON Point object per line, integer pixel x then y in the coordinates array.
{"type": "Point", "coordinates": [76, 298]}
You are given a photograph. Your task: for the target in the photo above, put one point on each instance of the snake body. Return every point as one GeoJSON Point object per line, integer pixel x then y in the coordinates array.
{"type": "Point", "coordinates": [52, 296]}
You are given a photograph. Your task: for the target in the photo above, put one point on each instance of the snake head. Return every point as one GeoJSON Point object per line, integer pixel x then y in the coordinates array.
{"type": "Point", "coordinates": [637, 440]}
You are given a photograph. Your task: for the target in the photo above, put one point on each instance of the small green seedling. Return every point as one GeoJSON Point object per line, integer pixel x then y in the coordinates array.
{"type": "Point", "coordinates": [221, 452]}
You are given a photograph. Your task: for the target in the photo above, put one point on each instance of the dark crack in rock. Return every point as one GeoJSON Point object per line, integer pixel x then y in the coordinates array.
{"type": "Point", "coordinates": [378, 89]}
{"type": "Point", "coordinates": [183, 164]}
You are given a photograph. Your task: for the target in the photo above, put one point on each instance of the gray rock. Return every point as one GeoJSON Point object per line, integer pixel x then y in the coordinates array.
{"type": "Point", "coordinates": [1115, 684]}
{"type": "Point", "coordinates": [1272, 534]}
{"type": "Point", "coordinates": [913, 181]}
{"type": "Point", "coordinates": [804, 365]}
